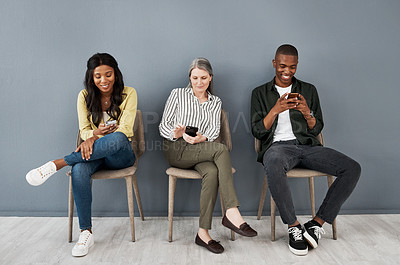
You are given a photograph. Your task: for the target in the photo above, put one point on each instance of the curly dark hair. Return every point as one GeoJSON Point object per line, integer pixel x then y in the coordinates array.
{"type": "Point", "coordinates": [287, 49]}
{"type": "Point", "coordinates": [93, 97]}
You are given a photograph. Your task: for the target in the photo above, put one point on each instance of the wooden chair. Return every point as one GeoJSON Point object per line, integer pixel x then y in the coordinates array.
{"type": "Point", "coordinates": [294, 173]}
{"type": "Point", "coordinates": [175, 173]}
{"type": "Point", "coordinates": [129, 173]}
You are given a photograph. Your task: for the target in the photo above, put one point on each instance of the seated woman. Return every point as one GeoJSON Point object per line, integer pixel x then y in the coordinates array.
{"type": "Point", "coordinates": [106, 113]}
{"type": "Point", "coordinates": [196, 106]}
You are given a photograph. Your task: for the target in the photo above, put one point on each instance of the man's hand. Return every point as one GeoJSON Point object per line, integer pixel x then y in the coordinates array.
{"type": "Point", "coordinates": [280, 106]}
{"type": "Point", "coordinates": [194, 140]}
{"type": "Point", "coordinates": [303, 107]}
{"type": "Point", "coordinates": [305, 110]}
{"type": "Point", "coordinates": [283, 104]}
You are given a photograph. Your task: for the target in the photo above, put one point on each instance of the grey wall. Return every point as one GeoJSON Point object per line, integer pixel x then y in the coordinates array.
{"type": "Point", "coordinates": [348, 49]}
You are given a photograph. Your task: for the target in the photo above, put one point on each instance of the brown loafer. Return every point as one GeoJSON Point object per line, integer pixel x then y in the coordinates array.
{"type": "Point", "coordinates": [212, 245]}
{"type": "Point", "coordinates": [244, 229]}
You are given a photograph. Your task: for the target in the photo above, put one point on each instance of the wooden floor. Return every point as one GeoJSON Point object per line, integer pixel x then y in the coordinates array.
{"type": "Point", "coordinates": [362, 239]}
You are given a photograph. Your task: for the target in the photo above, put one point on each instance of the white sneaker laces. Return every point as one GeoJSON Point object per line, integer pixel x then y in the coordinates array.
{"type": "Point", "coordinates": [296, 232]}
{"type": "Point", "coordinates": [318, 231]}
{"type": "Point", "coordinates": [83, 238]}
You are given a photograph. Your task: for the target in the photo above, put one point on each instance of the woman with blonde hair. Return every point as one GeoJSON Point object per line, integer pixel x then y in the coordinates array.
{"type": "Point", "coordinates": [196, 106]}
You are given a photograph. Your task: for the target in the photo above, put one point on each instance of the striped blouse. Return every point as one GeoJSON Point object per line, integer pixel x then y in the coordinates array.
{"type": "Point", "coordinates": [183, 107]}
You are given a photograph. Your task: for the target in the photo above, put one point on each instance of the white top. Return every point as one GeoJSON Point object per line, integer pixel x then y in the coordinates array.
{"type": "Point", "coordinates": [283, 131]}
{"type": "Point", "coordinates": [184, 107]}
{"type": "Point", "coordinates": [105, 116]}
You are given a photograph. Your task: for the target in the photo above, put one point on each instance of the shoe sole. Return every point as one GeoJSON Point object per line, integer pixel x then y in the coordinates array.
{"type": "Point", "coordinates": [298, 252]}
{"type": "Point", "coordinates": [310, 239]}
{"type": "Point", "coordinates": [215, 252]}
{"type": "Point", "coordinates": [83, 254]}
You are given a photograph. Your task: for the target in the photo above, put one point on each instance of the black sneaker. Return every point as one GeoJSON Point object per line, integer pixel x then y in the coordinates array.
{"type": "Point", "coordinates": [313, 232]}
{"type": "Point", "coordinates": [297, 244]}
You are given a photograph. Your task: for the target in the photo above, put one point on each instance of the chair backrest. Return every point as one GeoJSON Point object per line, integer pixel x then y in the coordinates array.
{"type": "Point", "coordinates": [224, 134]}
{"type": "Point", "coordinates": [257, 143]}
{"type": "Point", "coordinates": [137, 141]}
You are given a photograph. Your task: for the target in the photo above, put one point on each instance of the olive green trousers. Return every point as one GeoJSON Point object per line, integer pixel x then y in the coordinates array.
{"type": "Point", "coordinates": [213, 162]}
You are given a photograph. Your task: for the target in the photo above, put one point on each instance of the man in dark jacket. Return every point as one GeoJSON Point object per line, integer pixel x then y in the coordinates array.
{"type": "Point", "coordinates": [286, 117]}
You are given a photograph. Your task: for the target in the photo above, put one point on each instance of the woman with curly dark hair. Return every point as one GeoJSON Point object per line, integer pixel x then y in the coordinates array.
{"type": "Point", "coordinates": [106, 113]}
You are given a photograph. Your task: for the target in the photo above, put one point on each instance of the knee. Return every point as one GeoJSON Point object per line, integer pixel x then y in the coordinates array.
{"type": "Point", "coordinates": [220, 148]}
{"type": "Point", "coordinates": [354, 169]}
{"type": "Point", "coordinates": [119, 137]}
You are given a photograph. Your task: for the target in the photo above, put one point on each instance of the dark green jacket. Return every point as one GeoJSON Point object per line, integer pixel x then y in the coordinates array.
{"type": "Point", "coordinates": [263, 99]}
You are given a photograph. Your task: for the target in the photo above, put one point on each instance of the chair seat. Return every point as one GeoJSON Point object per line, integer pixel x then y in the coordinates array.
{"type": "Point", "coordinates": [304, 173]}
{"type": "Point", "coordinates": [114, 174]}
{"type": "Point", "coordinates": [186, 173]}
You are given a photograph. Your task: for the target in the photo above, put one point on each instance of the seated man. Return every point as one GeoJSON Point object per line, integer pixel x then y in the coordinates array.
{"type": "Point", "coordinates": [287, 125]}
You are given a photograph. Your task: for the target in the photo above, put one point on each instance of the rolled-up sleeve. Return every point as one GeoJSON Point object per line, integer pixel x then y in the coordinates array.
{"type": "Point", "coordinates": [128, 113]}
{"type": "Point", "coordinates": [316, 109]}
{"type": "Point", "coordinates": [85, 125]}
{"type": "Point", "coordinates": [166, 126]}
{"type": "Point", "coordinates": [213, 129]}
{"type": "Point", "coordinates": [257, 118]}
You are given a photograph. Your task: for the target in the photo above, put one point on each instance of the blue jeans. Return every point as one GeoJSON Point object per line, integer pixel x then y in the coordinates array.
{"type": "Point", "coordinates": [113, 151]}
{"type": "Point", "coordinates": [285, 155]}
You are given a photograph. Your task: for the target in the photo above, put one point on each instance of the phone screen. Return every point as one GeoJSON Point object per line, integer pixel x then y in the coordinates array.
{"type": "Point", "coordinates": [191, 131]}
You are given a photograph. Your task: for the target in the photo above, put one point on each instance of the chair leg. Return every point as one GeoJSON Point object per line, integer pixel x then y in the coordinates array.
{"type": "Point", "coordinates": [273, 214]}
{"type": "Point", "coordinates": [262, 197]}
{"type": "Point", "coordinates": [70, 210]}
{"type": "Point", "coordinates": [334, 228]}
{"type": "Point", "coordinates": [233, 237]}
{"type": "Point", "coordinates": [137, 195]}
{"type": "Point", "coordinates": [130, 205]}
{"type": "Point", "coordinates": [171, 193]}
{"type": "Point", "coordinates": [312, 196]}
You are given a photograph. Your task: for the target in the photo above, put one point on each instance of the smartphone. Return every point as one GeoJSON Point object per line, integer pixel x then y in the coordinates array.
{"type": "Point", "coordinates": [108, 123]}
{"type": "Point", "coordinates": [191, 131]}
{"type": "Point", "coordinates": [293, 96]}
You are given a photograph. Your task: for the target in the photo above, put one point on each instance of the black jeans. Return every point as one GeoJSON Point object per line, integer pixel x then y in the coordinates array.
{"type": "Point", "coordinates": [285, 155]}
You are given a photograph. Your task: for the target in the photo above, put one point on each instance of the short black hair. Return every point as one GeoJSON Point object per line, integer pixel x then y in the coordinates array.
{"type": "Point", "coordinates": [287, 49]}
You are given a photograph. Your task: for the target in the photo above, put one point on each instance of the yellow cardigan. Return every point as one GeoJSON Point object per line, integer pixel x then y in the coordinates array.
{"type": "Point", "coordinates": [125, 120]}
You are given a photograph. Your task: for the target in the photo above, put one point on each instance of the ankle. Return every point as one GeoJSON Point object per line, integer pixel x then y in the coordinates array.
{"type": "Point", "coordinates": [294, 224]}
{"type": "Point", "coordinates": [318, 221]}
{"type": "Point", "coordinates": [204, 235]}
{"type": "Point", "coordinates": [89, 229]}
{"type": "Point", "coordinates": [234, 216]}
{"type": "Point", "coordinates": [60, 163]}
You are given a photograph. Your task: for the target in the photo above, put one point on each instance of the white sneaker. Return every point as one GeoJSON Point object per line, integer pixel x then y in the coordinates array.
{"type": "Point", "coordinates": [85, 241]}
{"type": "Point", "coordinates": [39, 175]}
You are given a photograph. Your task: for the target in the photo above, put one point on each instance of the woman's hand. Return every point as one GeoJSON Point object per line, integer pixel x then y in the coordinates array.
{"type": "Point", "coordinates": [194, 140]}
{"type": "Point", "coordinates": [86, 147]}
{"type": "Point", "coordinates": [104, 130]}
{"type": "Point", "coordinates": [179, 131]}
